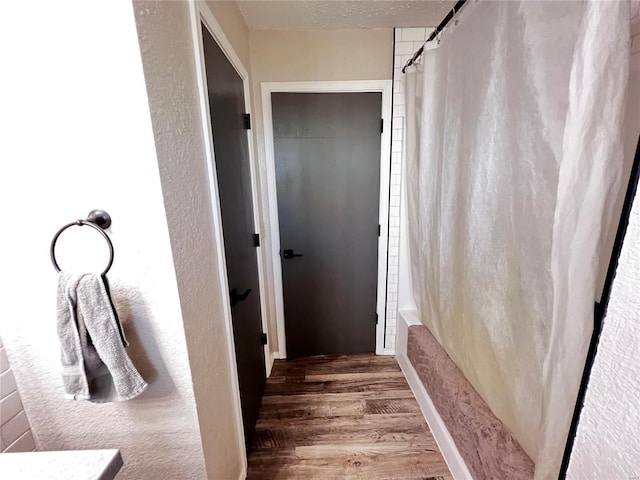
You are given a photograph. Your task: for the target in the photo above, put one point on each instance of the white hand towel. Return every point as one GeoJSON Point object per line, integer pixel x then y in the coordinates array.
{"type": "Point", "coordinates": [94, 359]}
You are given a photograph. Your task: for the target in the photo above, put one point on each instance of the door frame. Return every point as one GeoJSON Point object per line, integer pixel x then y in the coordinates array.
{"type": "Point", "coordinates": [202, 15]}
{"type": "Point", "coordinates": [355, 86]}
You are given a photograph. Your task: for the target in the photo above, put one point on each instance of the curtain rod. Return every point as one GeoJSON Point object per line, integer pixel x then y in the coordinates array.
{"type": "Point", "coordinates": [434, 34]}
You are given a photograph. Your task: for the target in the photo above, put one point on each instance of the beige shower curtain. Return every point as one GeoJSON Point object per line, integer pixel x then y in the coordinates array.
{"type": "Point", "coordinates": [513, 165]}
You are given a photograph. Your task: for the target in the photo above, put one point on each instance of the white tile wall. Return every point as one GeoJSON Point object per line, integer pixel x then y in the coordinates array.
{"type": "Point", "coordinates": [407, 41]}
{"type": "Point", "coordinates": [15, 434]}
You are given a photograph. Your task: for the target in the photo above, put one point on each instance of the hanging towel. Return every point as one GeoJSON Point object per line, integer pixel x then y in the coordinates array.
{"type": "Point", "coordinates": [95, 364]}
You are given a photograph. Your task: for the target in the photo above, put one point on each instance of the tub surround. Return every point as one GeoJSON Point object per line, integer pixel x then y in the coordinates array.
{"type": "Point", "coordinates": [487, 447]}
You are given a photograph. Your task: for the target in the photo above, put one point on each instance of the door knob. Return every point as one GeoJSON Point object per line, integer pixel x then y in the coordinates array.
{"type": "Point", "coordinates": [289, 254]}
{"type": "Point", "coordinates": [237, 297]}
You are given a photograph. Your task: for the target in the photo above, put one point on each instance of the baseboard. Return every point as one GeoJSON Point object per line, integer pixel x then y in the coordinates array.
{"type": "Point", "coordinates": [270, 359]}
{"type": "Point", "coordinates": [406, 318]}
{"type": "Point", "coordinates": [440, 433]}
{"type": "Point", "coordinates": [385, 351]}
{"type": "Point", "coordinates": [447, 446]}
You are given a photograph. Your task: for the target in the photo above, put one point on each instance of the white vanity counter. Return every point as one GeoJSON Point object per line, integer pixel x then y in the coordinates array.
{"type": "Point", "coordinates": [61, 465]}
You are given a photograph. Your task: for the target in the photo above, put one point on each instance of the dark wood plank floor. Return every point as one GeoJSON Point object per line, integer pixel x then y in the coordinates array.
{"type": "Point", "coordinates": [342, 417]}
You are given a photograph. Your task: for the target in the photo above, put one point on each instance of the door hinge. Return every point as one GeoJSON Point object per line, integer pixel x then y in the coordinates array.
{"type": "Point", "coordinates": [256, 239]}
{"type": "Point", "coordinates": [378, 230]}
{"type": "Point", "coordinates": [246, 120]}
{"type": "Point", "coordinates": [381, 125]}
{"type": "Point", "coordinates": [264, 338]}
{"type": "Point", "coordinates": [376, 318]}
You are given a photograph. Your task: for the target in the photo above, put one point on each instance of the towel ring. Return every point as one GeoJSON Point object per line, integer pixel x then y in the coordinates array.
{"type": "Point", "coordinates": [98, 220]}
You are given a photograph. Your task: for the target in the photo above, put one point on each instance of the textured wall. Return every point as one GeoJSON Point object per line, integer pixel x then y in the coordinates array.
{"type": "Point", "coordinates": [169, 66]}
{"type": "Point", "coordinates": [81, 138]}
{"type": "Point", "coordinates": [607, 444]}
{"type": "Point", "coordinates": [345, 14]}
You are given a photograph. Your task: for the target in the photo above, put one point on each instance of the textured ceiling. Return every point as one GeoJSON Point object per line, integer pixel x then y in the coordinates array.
{"type": "Point", "coordinates": [337, 14]}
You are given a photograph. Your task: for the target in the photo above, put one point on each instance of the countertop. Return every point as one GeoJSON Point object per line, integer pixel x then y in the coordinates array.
{"type": "Point", "coordinates": [61, 465]}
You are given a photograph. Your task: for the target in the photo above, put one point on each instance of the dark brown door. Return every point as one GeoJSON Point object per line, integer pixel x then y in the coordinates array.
{"type": "Point", "coordinates": [230, 143]}
{"type": "Point", "coordinates": [327, 155]}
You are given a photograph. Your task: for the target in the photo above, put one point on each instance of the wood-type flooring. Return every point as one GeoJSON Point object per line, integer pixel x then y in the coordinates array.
{"type": "Point", "coordinates": [342, 417]}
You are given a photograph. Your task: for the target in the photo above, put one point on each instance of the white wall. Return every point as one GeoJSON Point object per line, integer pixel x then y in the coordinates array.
{"type": "Point", "coordinates": [304, 56]}
{"type": "Point", "coordinates": [77, 135]}
{"type": "Point", "coordinates": [607, 443]}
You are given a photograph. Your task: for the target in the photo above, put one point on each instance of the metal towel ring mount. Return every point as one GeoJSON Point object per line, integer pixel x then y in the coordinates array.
{"type": "Point", "coordinates": [98, 220]}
